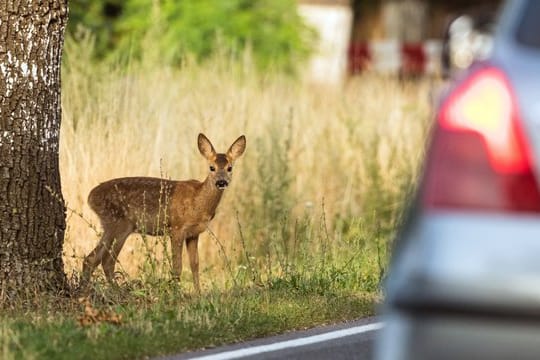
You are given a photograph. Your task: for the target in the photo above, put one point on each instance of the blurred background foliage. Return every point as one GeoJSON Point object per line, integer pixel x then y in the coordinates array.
{"type": "Point", "coordinates": [271, 32]}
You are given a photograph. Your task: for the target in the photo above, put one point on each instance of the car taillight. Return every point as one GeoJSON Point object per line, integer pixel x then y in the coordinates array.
{"type": "Point", "coordinates": [478, 158]}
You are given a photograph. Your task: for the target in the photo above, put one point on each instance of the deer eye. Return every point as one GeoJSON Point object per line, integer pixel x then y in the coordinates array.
{"type": "Point", "coordinates": [212, 168]}
{"type": "Point", "coordinates": [229, 169]}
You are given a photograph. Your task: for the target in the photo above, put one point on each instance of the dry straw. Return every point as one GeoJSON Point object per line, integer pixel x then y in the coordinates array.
{"type": "Point", "coordinates": [344, 146]}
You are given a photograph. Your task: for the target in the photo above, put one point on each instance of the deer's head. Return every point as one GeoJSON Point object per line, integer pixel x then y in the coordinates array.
{"type": "Point", "coordinates": [221, 165]}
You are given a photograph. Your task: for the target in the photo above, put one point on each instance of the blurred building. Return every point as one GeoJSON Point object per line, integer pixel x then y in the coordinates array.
{"type": "Point", "coordinates": [333, 20]}
{"type": "Point", "coordinates": [395, 37]}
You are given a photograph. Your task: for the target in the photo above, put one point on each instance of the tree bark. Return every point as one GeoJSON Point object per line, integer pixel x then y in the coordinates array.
{"type": "Point", "coordinates": [32, 210]}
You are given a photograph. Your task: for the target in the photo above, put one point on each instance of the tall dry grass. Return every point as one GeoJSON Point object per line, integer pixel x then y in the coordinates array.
{"type": "Point", "coordinates": [333, 155]}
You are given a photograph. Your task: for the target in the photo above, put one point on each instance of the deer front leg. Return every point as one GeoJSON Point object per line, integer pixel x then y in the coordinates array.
{"type": "Point", "coordinates": [194, 260]}
{"type": "Point", "coordinates": [177, 242]}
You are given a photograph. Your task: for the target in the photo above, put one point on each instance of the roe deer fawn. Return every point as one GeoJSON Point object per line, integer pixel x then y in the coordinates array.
{"type": "Point", "coordinates": [156, 206]}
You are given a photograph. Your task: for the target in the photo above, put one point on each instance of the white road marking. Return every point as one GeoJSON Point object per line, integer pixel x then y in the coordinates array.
{"type": "Point", "coordinates": [235, 354]}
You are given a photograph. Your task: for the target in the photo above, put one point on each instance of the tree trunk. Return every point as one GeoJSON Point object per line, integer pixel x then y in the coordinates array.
{"type": "Point", "coordinates": [32, 210]}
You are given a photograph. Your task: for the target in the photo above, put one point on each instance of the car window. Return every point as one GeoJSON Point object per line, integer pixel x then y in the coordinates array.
{"type": "Point", "coordinates": [528, 32]}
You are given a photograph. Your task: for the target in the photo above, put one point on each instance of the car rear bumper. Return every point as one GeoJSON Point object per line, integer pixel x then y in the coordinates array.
{"type": "Point", "coordinates": [434, 336]}
{"type": "Point", "coordinates": [469, 260]}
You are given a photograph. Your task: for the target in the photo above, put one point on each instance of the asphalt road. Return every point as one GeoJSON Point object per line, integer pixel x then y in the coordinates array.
{"type": "Point", "coordinates": [351, 340]}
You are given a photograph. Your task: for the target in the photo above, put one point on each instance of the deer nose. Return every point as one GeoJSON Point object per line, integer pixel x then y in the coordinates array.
{"type": "Point", "coordinates": [222, 184]}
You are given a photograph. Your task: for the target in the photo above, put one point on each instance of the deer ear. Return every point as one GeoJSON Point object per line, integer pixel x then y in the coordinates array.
{"type": "Point", "coordinates": [237, 148]}
{"type": "Point", "coordinates": [205, 147]}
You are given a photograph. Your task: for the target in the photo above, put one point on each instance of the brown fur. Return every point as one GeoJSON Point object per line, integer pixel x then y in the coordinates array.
{"type": "Point", "coordinates": [156, 206]}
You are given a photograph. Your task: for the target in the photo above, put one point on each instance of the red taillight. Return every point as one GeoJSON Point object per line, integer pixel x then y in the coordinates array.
{"type": "Point", "coordinates": [478, 156]}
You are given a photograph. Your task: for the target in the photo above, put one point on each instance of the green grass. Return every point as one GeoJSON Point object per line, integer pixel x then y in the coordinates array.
{"type": "Point", "coordinates": [173, 321]}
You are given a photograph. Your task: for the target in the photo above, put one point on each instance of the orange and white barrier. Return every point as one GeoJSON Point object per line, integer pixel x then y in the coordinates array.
{"type": "Point", "coordinates": [395, 58]}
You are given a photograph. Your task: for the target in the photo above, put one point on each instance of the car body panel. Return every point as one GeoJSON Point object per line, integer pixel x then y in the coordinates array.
{"type": "Point", "coordinates": [521, 63]}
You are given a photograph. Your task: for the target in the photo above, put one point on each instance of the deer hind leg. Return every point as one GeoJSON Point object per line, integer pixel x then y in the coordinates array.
{"type": "Point", "coordinates": [191, 244]}
{"type": "Point", "coordinates": [110, 256]}
{"type": "Point", "coordinates": [94, 258]}
{"type": "Point", "coordinates": [110, 232]}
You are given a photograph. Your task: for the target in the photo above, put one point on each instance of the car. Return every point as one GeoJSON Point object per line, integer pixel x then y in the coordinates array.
{"type": "Point", "coordinates": [464, 278]}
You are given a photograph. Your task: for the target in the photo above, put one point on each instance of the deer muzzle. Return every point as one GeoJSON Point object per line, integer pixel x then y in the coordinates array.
{"type": "Point", "coordinates": [221, 184]}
